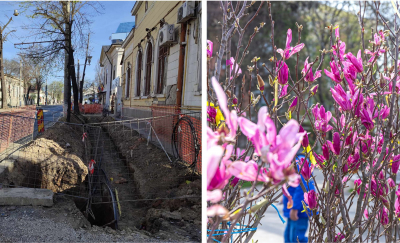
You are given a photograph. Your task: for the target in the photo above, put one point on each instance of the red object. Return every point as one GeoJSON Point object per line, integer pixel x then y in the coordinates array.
{"type": "Point", "coordinates": [91, 166]}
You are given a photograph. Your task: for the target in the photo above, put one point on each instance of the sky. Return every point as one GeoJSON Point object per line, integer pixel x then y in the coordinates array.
{"type": "Point", "coordinates": [103, 26]}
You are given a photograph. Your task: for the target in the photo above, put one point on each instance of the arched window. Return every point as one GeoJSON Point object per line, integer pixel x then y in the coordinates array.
{"type": "Point", "coordinates": [149, 56]}
{"type": "Point", "coordinates": [128, 80]}
{"type": "Point", "coordinates": [138, 72]}
{"type": "Point", "coordinates": [162, 65]}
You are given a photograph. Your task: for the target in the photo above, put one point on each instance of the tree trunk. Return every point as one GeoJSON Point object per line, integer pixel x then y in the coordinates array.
{"type": "Point", "coordinates": [3, 81]}
{"type": "Point", "coordinates": [27, 95]}
{"type": "Point", "coordinates": [73, 81]}
{"type": "Point", "coordinates": [67, 79]}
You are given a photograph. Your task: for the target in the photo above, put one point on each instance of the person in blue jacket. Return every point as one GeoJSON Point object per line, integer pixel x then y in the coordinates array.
{"type": "Point", "coordinates": [297, 222]}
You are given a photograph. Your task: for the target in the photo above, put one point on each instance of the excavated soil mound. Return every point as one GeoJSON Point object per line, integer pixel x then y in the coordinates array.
{"type": "Point", "coordinates": [52, 161]}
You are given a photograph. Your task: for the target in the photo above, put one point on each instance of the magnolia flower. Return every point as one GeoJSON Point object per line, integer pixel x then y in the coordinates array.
{"type": "Point", "coordinates": [378, 38]}
{"type": "Point", "coordinates": [344, 99]}
{"type": "Point", "coordinates": [357, 62]}
{"type": "Point", "coordinates": [211, 114]}
{"type": "Point", "coordinates": [396, 164]}
{"type": "Point", "coordinates": [214, 196]}
{"type": "Point", "coordinates": [397, 207]}
{"type": "Point", "coordinates": [391, 183]}
{"type": "Point", "coordinates": [230, 116]}
{"type": "Point", "coordinates": [339, 237]}
{"type": "Point", "coordinates": [248, 171]}
{"type": "Point", "coordinates": [283, 72]}
{"type": "Point", "coordinates": [307, 72]}
{"type": "Point", "coordinates": [305, 141]}
{"type": "Point", "coordinates": [335, 144]}
{"type": "Point", "coordinates": [283, 90]}
{"type": "Point", "coordinates": [277, 150]}
{"type": "Point", "coordinates": [322, 119]}
{"type": "Point", "coordinates": [306, 169]}
{"type": "Point", "coordinates": [209, 49]}
{"type": "Point", "coordinates": [369, 112]}
{"type": "Point", "coordinates": [374, 54]}
{"type": "Point", "coordinates": [383, 216]}
{"type": "Point", "coordinates": [314, 90]}
{"type": "Point", "coordinates": [366, 215]}
{"type": "Point", "coordinates": [311, 199]}
{"type": "Point", "coordinates": [334, 74]}
{"type": "Point", "coordinates": [231, 63]}
{"type": "Point", "coordinates": [289, 51]}
{"type": "Point", "coordinates": [350, 73]}
{"type": "Point", "coordinates": [213, 158]}
{"type": "Point", "coordinates": [293, 105]}
{"type": "Point", "coordinates": [261, 83]}
{"type": "Point", "coordinates": [217, 210]}
{"type": "Point", "coordinates": [357, 184]}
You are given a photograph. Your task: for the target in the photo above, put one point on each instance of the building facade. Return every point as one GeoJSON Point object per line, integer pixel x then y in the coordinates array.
{"type": "Point", "coordinates": [15, 91]}
{"type": "Point", "coordinates": [162, 56]}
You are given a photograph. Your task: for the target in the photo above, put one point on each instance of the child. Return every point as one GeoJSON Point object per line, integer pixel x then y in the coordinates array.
{"type": "Point", "coordinates": [297, 222]}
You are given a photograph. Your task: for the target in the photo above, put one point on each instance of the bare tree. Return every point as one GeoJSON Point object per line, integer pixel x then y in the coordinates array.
{"type": "Point", "coordinates": [62, 28]}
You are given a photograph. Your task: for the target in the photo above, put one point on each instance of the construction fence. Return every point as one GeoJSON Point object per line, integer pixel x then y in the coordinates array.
{"type": "Point", "coordinates": [177, 130]}
{"type": "Point", "coordinates": [107, 165]}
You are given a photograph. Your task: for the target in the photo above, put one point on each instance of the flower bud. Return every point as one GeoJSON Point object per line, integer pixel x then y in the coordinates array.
{"type": "Point", "coordinates": [261, 83]}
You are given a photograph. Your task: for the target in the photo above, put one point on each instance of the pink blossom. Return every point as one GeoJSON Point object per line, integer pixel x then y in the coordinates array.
{"type": "Point", "coordinates": [232, 63]}
{"type": "Point", "coordinates": [356, 61]}
{"type": "Point", "coordinates": [378, 38]}
{"type": "Point", "coordinates": [283, 90]}
{"type": "Point", "coordinates": [293, 105]}
{"type": "Point", "coordinates": [344, 99]}
{"type": "Point", "coordinates": [339, 237]}
{"type": "Point", "coordinates": [306, 169]}
{"type": "Point", "coordinates": [325, 151]}
{"type": "Point", "coordinates": [211, 112]}
{"type": "Point", "coordinates": [366, 215]}
{"type": "Point", "coordinates": [305, 141]}
{"type": "Point", "coordinates": [247, 171]}
{"type": "Point", "coordinates": [214, 196]}
{"type": "Point", "coordinates": [374, 54]}
{"type": "Point", "coordinates": [209, 49]}
{"type": "Point", "coordinates": [217, 210]}
{"type": "Point", "coordinates": [357, 184]}
{"type": "Point", "coordinates": [283, 72]}
{"type": "Point", "coordinates": [311, 199]}
{"type": "Point", "coordinates": [334, 74]}
{"type": "Point", "coordinates": [314, 90]}
{"type": "Point", "coordinates": [322, 119]}
{"type": "Point", "coordinates": [213, 158]}
{"type": "Point", "coordinates": [335, 144]}
{"type": "Point", "coordinates": [391, 183]}
{"type": "Point", "coordinates": [383, 216]}
{"type": "Point", "coordinates": [289, 51]}
{"type": "Point", "coordinates": [397, 207]}
{"type": "Point", "coordinates": [396, 164]}
{"type": "Point", "coordinates": [309, 76]}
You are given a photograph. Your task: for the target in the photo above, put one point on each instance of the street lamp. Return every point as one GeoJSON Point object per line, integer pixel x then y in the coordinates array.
{"type": "Point", "coordinates": [3, 82]}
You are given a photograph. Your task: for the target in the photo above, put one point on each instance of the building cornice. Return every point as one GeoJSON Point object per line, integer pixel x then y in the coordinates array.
{"type": "Point", "coordinates": [136, 7]}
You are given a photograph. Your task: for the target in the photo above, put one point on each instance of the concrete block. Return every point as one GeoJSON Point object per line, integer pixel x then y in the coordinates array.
{"type": "Point", "coordinates": [26, 197]}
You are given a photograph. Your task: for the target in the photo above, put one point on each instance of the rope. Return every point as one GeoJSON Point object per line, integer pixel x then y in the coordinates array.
{"type": "Point", "coordinates": [174, 139]}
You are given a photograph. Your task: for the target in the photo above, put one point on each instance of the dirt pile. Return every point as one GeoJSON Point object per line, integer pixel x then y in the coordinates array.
{"type": "Point", "coordinates": [53, 161]}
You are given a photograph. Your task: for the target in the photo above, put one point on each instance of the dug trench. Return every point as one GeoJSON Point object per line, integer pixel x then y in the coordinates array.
{"type": "Point", "coordinates": [156, 198]}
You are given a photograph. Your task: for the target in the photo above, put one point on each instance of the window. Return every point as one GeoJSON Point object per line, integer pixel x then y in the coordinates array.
{"type": "Point", "coordinates": [162, 63]}
{"type": "Point", "coordinates": [149, 56]}
{"type": "Point", "coordinates": [106, 75]}
{"type": "Point", "coordinates": [128, 80]}
{"type": "Point", "coordinates": [113, 73]}
{"type": "Point", "coordinates": [146, 5]}
{"type": "Point", "coordinates": [138, 73]}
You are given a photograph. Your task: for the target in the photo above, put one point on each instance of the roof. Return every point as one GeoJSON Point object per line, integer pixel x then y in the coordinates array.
{"type": "Point", "coordinates": [105, 48]}
{"type": "Point", "coordinates": [136, 7]}
{"type": "Point", "coordinates": [125, 27]}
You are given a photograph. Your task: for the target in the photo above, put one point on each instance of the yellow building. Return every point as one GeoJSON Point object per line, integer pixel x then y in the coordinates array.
{"type": "Point", "coordinates": [161, 64]}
